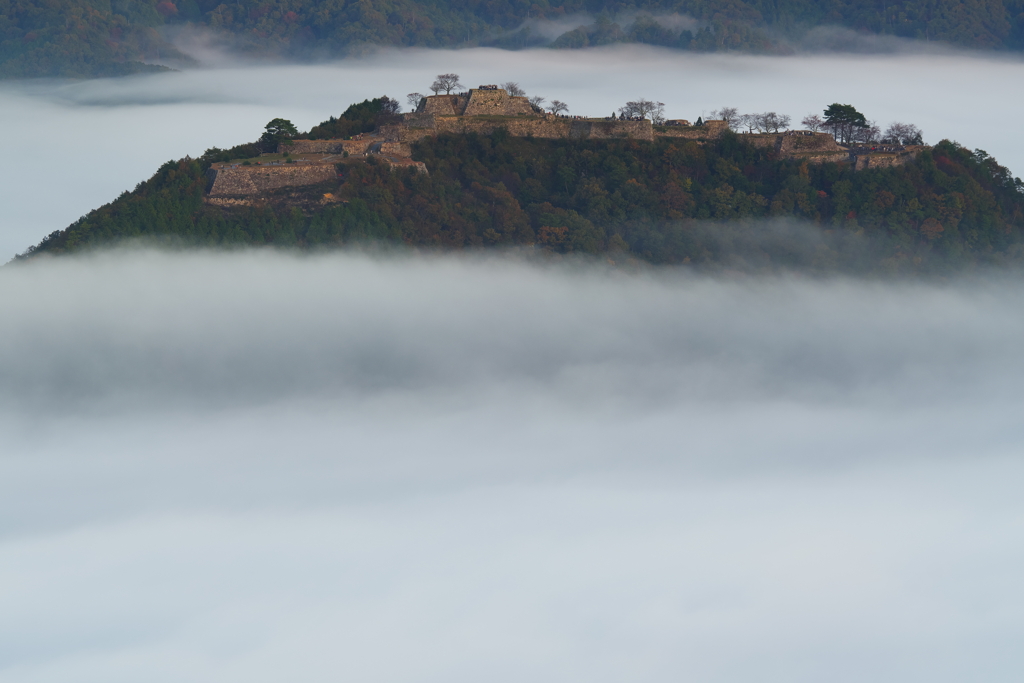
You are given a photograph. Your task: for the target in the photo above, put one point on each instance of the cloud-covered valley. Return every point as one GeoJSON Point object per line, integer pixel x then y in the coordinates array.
{"type": "Point", "coordinates": [255, 465]}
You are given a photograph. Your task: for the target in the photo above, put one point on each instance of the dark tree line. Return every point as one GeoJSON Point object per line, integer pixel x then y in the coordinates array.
{"type": "Point", "coordinates": [87, 38]}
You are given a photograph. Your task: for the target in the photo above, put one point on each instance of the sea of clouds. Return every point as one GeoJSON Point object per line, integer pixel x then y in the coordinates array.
{"type": "Point", "coordinates": [256, 466]}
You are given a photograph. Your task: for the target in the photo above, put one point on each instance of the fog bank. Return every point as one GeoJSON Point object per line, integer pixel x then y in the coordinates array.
{"type": "Point", "coordinates": [79, 145]}
{"type": "Point", "coordinates": [256, 466]}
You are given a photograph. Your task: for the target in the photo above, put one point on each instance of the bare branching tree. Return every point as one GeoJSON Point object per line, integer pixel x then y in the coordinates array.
{"type": "Point", "coordinates": [748, 121]}
{"type": "Point", "coordinates": [389, 110]}
{"type": "Point", "coordinates": [903, 134]}
{"type": "Point", "coordinates": [813, 123]}
{"type": "Point", "coordinates": [389, 105]}
{"type": "Point", "coordinates": [729, 115]}
{"type": "Point", "coordinates": [537, 101]}
{"type": "Point", "coordinates": [770, 122]}
{"type": "Point", "coordinates": [866, 134]}
{"type": "Point", "coordinates": [658, 114]}
{"type": "Point", "coordinates": [413, 99]}
{"type": "Point", "coordinates": [513, 89]}
{"type": "Point", "coordinates": [642, 109]}
{"type": "Point", "coordinates": [446, 82]}
{"type": "Point", "coordinates": [557, 107]}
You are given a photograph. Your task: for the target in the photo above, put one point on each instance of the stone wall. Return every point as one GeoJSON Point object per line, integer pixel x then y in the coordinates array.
{"type": "Point", "coordinates": [496, 103]}
{"type": "Point", "coordinates": [311, 147]}
{"type": "Point", "coordinates": [803, 142]}
{"type": "Point", "coordinates": [355, 146]}
{"type": "Point", "coordinates": [795, 143]}
{"type": "Point", "coordinates": [443, 105]}
{"type": "Point", "coordinates": [476, 103]}
{"type": "Point", "coordinates": [250, 180]}
{"type": "Point", "coordinates": [708, 131]}
{"type": "Point", "coordinates": [549, 126]}
{"type": "Point", "coordinates": [417, 166]}
{"type": "Point", "coordinates": [415, 120]}
{"type": "Point", "coordinates": [864, 161]}
{"type": "Point", "coordinates": [396, 149]}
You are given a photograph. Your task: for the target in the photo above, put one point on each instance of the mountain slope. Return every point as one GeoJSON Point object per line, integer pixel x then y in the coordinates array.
{"type": "Point", "coordinates": [669, 201]}
{"type": "Point", "coordinates": [102, 37]}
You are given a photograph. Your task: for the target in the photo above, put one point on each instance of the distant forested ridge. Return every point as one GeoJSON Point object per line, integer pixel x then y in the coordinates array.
{"type": "Point", "coordinates": [103, 37]}
{"type": "Point", "coordinates": [673, 200]}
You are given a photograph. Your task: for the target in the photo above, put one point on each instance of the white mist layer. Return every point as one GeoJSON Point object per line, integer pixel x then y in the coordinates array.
{"type": "Point", "coordinates": [79, 145]}
{"type": "Point", "coordinates": [256, 467]}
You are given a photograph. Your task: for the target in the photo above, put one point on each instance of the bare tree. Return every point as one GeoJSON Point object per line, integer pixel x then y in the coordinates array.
{"type": "Point", "coordinates": [557, 107]}
{"type": "Point", "coordinates": [537, 101]}
{"type": "Point", "coordinates": [389, 106]}
{"type": "Point", "coordinates": [658, 114]}
{"type": "Point", "coordinates": [413, 99]}
{"type": "Point", "coordinates": [642, 109]}
{"type": "Point", "coordinates": [867, 134]}
{"type": "Point", "coordinates": [729, 115]}
{"type": "Point", "coordinates": [748, 121]}
{"type": "Point", "coordinates": [770, 122]}
{"type": "Point", "coordinates": [513, 89]}
{"type": "Point", "coordinates": [903, 134]}
{"type": "Point", "coordinates": [813, 123]}
{"type": "Point", "coordinates": [390, 111]}
{"type": "Point", "coordinates": [446, 82]}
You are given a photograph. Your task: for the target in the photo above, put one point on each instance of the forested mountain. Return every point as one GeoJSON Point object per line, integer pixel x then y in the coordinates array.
{"type": "Point", "coordinates": [723, 202]}
{"type": "Point", "coordinates": [100, 37]}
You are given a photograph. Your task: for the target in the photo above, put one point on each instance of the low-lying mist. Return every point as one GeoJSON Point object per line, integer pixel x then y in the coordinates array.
{"type": "Point", "coordinates": [258, 465]}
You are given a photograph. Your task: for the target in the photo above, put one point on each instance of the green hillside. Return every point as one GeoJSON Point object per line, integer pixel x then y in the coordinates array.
{"type": "Point", "coordinates": [667, 201]}
{"type": "Point", "coordinates": [102, 37]}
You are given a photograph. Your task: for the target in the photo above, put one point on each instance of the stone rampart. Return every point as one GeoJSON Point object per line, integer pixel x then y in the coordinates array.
{"type": "Point", "coordinates": [443, 105]}
{"type": "Point", "coordinates": [477, 102]}
{"type": "Point", "coordinates": [250, 180]}
{"type": "Point", "coordinates": [496, 103]}
{"type": "Point", "coordinates": [551, 127]}
{"type": "Point", "coordinates": [415, 120]}
{"type": "Point", "coordinates": [336, 146]}
{"type": "Point", "coordinates": [873, 160]}
{"type": "Point", "coordinates": [311, 147]}
{"type": "Point", "coordinates": [396, 149]}
{"type": "Point", "coordinates": [795, 143]}
{"type": "Point", "coordinates": [709, 130]}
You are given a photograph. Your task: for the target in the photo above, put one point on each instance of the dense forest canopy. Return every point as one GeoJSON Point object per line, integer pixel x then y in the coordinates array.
{"type": "Point", "coordinates": [668, 201]}
{"type": "Point", "coordinates": [105, 37]}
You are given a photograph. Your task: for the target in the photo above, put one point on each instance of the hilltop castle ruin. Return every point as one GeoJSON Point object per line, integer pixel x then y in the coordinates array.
{"type": "Point", "coordinates": [488, 109]}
